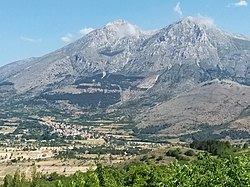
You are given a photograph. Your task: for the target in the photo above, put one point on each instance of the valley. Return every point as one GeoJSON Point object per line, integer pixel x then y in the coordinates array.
{"type": "Point", "coordinates": [66, 144]}
{"type": "Point", "coordinates": [119, 99]}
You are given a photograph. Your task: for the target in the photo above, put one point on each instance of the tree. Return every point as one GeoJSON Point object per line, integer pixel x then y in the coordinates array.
{"type": "Point", "coordinates": [59, 183]}
{"type": "Point", "coordinates": [23, 178]}
{"type": "Point", "coordinates": [17, 179]}
{"type": "Point", "coordinates": [34, 177]}
{"type": "Point", "coordinates": [106, 176]}
{"type": "Point", "coordinates": [78, 179]}
{"type": "Point", "coordinates": [245, 146]}
{"type": "Point", "coordinates": [92, 180]}
{"type": "Point", "coordinates": [7, 181]}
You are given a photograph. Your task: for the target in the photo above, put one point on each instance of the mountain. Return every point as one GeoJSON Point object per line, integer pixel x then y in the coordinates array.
{"type": "Point", "coordinates": [186, 74]}
{"type": "Point", "coordinates": [105, 49]}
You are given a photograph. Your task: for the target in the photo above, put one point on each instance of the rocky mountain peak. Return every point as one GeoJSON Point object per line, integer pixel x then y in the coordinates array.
{"type": "Point", "coordinates": [114, 34]}
{"type": "Point", "coordinates": [190, 30]}
{"type": "Point", "coordinates": [186, 41]}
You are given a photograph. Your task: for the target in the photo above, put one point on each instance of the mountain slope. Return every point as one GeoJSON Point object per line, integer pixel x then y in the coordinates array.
{"type": "Point", "coordinates": [213, 102]}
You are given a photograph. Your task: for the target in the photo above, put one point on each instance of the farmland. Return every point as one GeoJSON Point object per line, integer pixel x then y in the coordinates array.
{"type": "Point", "coordinates": [54, 143]}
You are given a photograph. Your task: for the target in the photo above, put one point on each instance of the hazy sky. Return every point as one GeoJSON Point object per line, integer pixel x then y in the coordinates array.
{"type": "Point", "coordinates": [35, 27]}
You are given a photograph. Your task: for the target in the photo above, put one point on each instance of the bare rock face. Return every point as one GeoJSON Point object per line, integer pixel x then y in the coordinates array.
{"type": "Point", "coordinates": [187, 73]}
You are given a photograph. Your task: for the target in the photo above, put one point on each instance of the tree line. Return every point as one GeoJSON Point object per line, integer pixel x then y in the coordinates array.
{"type": "Point", "coordinates": [204, 171]}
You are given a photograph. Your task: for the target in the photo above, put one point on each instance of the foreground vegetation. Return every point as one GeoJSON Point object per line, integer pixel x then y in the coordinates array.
{"type": "Point", "coordinates": [204, 171]}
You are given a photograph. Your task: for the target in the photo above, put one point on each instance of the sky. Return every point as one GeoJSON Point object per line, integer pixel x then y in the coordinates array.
{"type": "Point", "coordinates": [32, 28]}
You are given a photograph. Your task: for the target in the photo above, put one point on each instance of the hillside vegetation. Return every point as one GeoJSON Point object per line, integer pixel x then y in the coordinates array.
{"type": "Point", "coordinates": [205, 170]}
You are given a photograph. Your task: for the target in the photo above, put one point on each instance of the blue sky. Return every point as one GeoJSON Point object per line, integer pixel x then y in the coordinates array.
{"type": "Point", "coordinates": [35, 27]}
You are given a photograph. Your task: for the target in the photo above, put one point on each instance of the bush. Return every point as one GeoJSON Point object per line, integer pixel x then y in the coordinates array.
{"type": "Point", "coordinates": [144, 158]}
{"type": "Point", "coordinates": [159, 158]}
{"type": "Point", "coordinates": [182, 158]}
{"type": "Point", "coordinates": [189, 153]}
{"type": "Point", "coordinates": [173, 153]}
{"type": "Point", "coordinates": [152, 156]}
{"type": "Point", "coordinates": [245, 146]}
{"type": "Point", "coordinates": [214, 147]}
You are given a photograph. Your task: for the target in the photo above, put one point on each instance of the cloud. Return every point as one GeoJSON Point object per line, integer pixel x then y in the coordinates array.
{"type": "Point", "coordinates": [31, 40]}
{"type": "Point", "coordinates": [177, 9]}
{"type": "Point", "coordinates": [203, 20]}
{"type": "Point", "coordinates": [72, 37]}
{"type": "Point", "coordinates": [67, 38]}
{"type": "Point", "coordinates": [241, 3]}
{"type": "Point", "coordinates": [86, 30]}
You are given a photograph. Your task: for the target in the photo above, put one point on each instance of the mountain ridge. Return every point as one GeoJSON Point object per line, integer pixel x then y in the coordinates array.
{"type": "Point", "coordinates": [122, 67]}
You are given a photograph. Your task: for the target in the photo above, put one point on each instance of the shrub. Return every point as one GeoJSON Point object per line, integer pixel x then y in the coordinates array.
{"type": "Point", "coordinates": [245, 146]}
{"type": "Point", "coordinates": [189, 153]}
{"type": "Point", "coordinates": [182, 158]}
{"type": "Point", "coordinates": [173, 153]}
{"type": "Point", "coordinates": [144, 158]}
{"type": "Point", "coordinates": [159, 158]}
